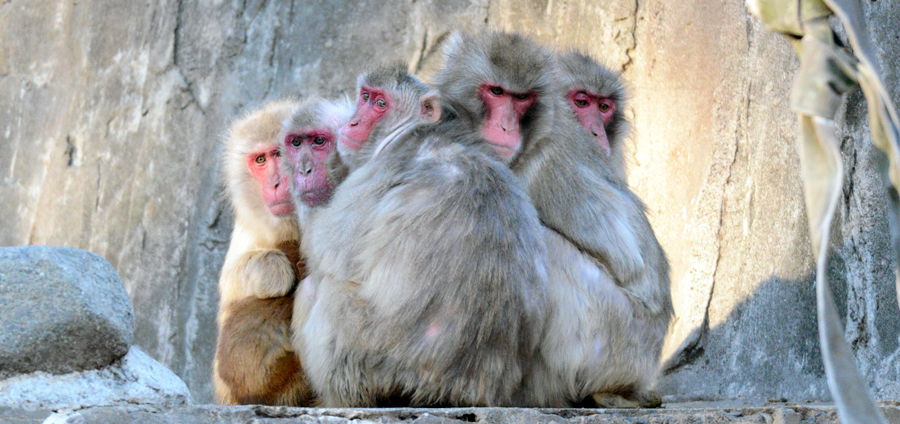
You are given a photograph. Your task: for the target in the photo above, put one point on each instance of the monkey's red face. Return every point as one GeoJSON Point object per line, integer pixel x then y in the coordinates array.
{"type": "Point", "coordinates": [373, 104]}
{"type": "Point", "coordinates": [594, 113]}
{"type": "Point", "coordinates": [503, 111]}
{"type": "Point", "coordinates": [264, 167]}
{"type": "Point", "coordinates": [307, 150]}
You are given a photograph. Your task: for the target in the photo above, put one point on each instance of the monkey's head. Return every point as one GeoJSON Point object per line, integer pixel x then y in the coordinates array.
{"type": "Point", "coordinates": [596, 95]}
{"type": "Point", "coordinates": [254, 181]}
{"type": "Point", "coordinates": [309, 144]}
{"type": "Point", "coordinates": [502, 84]}
{"type": "Point", "coordinates": [390, 99]}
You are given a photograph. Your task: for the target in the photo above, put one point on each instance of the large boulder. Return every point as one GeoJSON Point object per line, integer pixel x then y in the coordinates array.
{"type": "Point", "coordinates": [61, 310]}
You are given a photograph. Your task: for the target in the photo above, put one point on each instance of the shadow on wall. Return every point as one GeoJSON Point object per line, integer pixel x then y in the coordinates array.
{"type": "Point", "coordinates": [768, 348]}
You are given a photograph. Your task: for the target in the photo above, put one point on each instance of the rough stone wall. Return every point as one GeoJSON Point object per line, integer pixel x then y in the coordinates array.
{"type": "Point", "coordinates": [111, 115]}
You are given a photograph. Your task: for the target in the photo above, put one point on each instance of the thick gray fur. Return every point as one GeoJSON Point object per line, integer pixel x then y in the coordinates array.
{"type": "Point", "coordinates": [429, 272]}
{"type": "Point", "coordinates": [609, 275]}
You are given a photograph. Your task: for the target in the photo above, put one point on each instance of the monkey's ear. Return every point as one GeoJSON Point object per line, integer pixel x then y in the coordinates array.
{"type": "Point", "coordinates": [431, 107]}
{"type": "Point", "coordinates": [452, 43]}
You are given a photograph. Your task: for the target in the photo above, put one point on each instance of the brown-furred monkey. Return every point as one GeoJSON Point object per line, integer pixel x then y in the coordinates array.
{"type": "Point", "coordinates": [254, 360]}
{"type": "Point", "coordinates": [428, 264]}
{"type": "Point", "coordinates": [609, 276]}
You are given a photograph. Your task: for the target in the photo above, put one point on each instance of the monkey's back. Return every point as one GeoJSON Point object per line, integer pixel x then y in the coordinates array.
{"type": "Point", "coordinates": [441, 296]}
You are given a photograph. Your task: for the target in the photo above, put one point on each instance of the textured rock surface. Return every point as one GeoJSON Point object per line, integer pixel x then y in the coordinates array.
{"type": "Point", "coordinates": [61, 310]}
{"type": "Point", "coordinates": [110, 114]}
{"type": "Point", "coordinates": [712, 414]}
{"type": "Point", "coordinates": [136, 379]}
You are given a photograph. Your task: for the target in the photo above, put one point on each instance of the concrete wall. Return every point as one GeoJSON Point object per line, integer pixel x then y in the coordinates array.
{"type": "Point", "coordinates": [111, 114]}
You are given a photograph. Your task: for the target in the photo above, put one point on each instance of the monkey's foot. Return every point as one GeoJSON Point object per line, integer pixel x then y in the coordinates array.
{"type": "Point", "coordinates": [269, 274]}
{"type": "Point", "coordinates": [649, 399]}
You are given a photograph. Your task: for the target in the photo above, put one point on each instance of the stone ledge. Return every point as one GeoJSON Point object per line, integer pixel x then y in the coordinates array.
{"type": "Point", "coordinates": [709, 413]}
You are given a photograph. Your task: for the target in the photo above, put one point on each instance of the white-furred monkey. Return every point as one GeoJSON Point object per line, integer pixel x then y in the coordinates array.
{"type": "Point", "coordinates": [310, 158]}
{"type": "Point", "coordinates": [428, 263]}
{"type": "Point", "coordinates": [609, 276]}
{"type": "Point", "coordinates": [255, 362]}
{"type": "Point", "coordinates": [313, 167]}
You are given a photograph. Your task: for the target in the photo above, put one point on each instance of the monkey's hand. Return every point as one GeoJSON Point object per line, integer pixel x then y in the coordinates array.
{"type": "Point", "coordinates": [268, 273]}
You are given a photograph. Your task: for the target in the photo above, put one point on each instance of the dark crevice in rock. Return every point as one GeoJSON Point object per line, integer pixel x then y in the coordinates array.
{"type": "Point", "coordinates": [633, 32]}
{"type": "Point", "coordinates": [69, 152]}
{"type": "Point", "coordinates": [178, 17]}
{"type": "Point", "coordinates": [420, 58]}
{"type": "Point", "coordinates": [469, 418]}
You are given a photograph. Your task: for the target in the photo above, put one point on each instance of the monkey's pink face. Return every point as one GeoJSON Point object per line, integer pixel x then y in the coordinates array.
{"type": "Point", "coordinates": [373, 104]}
{"type": "Point", "coordinates": [263, 163]}
{"type": "Point", "coordinates": [503, 111]}
{"type": "Point", "coordinates": [307, 151]}
{"type": "Point", "coordinates": [594, 113]}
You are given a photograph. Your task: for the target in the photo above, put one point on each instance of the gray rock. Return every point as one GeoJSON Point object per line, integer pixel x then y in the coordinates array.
{"type": "Point", "coordinates": [22, 416]}
{"type": "Point", "coordinates": [136, 379]}
{"type": "Point", "coordinates": [677, 414]}
{"type": "Point", "coordinates": [61, 310]}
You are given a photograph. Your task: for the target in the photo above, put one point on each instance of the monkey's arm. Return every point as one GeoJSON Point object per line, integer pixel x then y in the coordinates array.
{"type": "Point", "coordinates": [598, 218]}
{"type": "Point", "coordinates": [253, 270]}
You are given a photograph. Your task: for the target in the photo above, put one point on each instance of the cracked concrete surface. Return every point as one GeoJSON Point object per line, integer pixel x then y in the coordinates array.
{"type": "Point", "coordinates": [111, 114]}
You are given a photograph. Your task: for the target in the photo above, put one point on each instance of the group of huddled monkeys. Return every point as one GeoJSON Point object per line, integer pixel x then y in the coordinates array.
{"type": "Point", "coordinates": [472, 242]}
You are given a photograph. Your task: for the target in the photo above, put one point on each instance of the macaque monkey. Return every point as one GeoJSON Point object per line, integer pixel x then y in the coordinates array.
{"type": "Point", "coordinates": [609, 281]}
{"type": "Point", "coordinates": [385, 91]}
{"type": "Point", "coordinates": [254, 361]}
{"type": "Point", "coordinates": [313, 167]}
{"type": "Point", "coordinates": [428, 264]}
{"type": "Point", "coordinates": [596, 95]}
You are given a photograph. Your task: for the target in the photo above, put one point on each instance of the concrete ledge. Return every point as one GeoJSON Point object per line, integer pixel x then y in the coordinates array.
{"type": "Point", "coordinates": [693, 413]}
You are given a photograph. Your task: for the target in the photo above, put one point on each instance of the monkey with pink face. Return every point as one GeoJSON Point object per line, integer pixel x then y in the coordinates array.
{"type": "Point", "coordinates": [609, 282]}
{"type": "Point", "coordinates": [255, 361]}
{"type": "Point", "coordinates": [314, 168]}
{"type": "Point", "coordinates": [427, 266]}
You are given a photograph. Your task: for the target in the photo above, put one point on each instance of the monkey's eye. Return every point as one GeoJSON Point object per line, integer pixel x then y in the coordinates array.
{"type": "Point", "coordinates": [381, 103]}
{"type": "Point", "coordinates": [296, 141]}
{"type": "Point", "coordinates": [261, 159]}
{"type": "Point", "coordinates": [318, 141]}
{"type": "Point", "coordinates": [604, 107]}
{"type": "Point", "coordinates": [364, 96]}
{"type": "Point", "coordinates": [581, 102]}
{"type": "Point", "coordinates": [497, 91]}
{"type": "Point", "coordinates": [521, 96]}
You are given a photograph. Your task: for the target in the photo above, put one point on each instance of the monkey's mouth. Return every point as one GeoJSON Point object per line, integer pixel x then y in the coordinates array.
{"type": "Point", "coordinates": [351, 143]}
{"type": "Point", "coordinates": [505, 152]}
{"type": "Point", "coordinates": [281, 208]}
{"type": "Point", "coordinates": [315, 198]}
